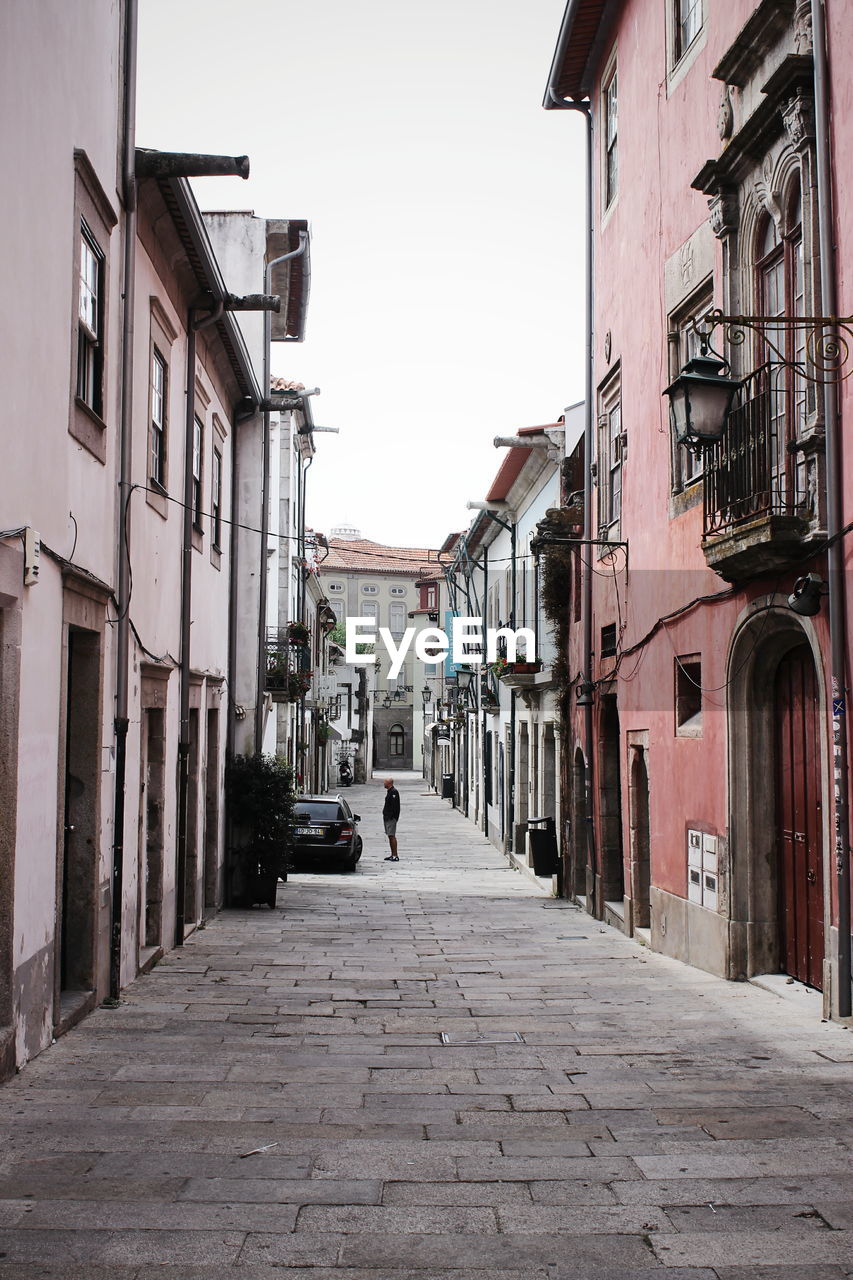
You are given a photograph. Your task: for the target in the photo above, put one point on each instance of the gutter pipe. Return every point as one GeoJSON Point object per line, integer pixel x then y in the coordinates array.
{"type": "Point", "coordinates": [121, 722]}
{"type": "Point", "coordinates": [195, 324]}
{"type": "Point", "coordinates": [555, 102]}
{"type": "Point", "coordinates": [265, 495]}
{"type": "Point", "coordinates": [834, 506]}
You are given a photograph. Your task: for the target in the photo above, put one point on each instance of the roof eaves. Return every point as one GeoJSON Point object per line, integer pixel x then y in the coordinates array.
{"type": "Point", "coordinates": [570, 75]}
{"type": "Point", "coordinates": [192, 233]}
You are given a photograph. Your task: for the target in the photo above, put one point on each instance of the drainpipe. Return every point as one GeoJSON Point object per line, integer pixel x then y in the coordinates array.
{"type": "Point", "coordinates": [834, 512]}
{"type": "Point", "coordinates": [485, 716]}
{"type": "Point", "coordinates": [561, 104]}
{"type": "Point", "coordinates": [125, 443]}
{"type": "Point", "coordinates": [265, 495]}
{"type": "Point", "coordinates": [194, 326]}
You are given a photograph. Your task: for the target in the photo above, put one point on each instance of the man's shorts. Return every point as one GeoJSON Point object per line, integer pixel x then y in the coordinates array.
{"type": "Point", "coordinates": [390, 826]}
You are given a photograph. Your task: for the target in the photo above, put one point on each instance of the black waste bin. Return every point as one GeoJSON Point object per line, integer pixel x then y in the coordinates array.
{"type": "Point", "coordinates": [447, 786]}
{"type": "Point", "coordinates": [543, 846]}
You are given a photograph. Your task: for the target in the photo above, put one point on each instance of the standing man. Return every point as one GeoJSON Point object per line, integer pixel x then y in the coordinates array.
{"type": "Point", "coordinates": [390, 814]}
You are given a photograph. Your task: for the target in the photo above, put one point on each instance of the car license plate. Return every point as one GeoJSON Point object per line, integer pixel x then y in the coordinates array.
{"type": "Point", "coordinates": [310, 831]}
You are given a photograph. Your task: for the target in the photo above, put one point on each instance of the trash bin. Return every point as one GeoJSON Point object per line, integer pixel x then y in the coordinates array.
{"type": "Point", "coordinates": [543, 846]}
{"type": "Point", "coordinates": [447, 786]}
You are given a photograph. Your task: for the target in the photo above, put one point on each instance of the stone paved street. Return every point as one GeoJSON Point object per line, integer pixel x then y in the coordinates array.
{"type": "Point", "coordinates": [430, 1069]}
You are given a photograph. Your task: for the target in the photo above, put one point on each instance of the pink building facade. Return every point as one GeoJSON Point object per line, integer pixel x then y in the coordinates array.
{"type": "Point", "coordinates": [704, 737]}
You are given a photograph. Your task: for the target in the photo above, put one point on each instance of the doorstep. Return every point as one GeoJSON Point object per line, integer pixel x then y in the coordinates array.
{"type": "Point", "coordinates": [548, 884]}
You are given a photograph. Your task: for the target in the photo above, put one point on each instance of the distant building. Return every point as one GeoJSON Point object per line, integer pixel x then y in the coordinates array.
{"type": "Point", "coordinates": [371, 580]}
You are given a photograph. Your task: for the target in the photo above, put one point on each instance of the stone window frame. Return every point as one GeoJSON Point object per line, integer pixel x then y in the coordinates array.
{"type": "Point", "coordinates": [217, 512]}
{"type": "Point", "coordinates": [609, 403]}
{"type": "Point", "coordinates": [94, 217]}
{"type": "Point", "coordinates": [686, 481]}
{"type": "Point", "coordinates": [680, 59]}
{"type": "Point", "coordinates": [609, 147]}
{"type": "Point", "coordinates": [202, 404]}
{"type": "Point", "coordinates": [162, 335]}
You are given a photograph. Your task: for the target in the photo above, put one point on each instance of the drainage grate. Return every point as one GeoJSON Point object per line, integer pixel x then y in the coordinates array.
{"type": "Point", "coordinates": [573, 937]}
{"type": "Point", "coordinates": [461, 1039]}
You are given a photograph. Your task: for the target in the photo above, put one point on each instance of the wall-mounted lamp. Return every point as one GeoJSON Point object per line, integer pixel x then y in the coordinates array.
{"type": "Point", "coordinates": [806, 597]}
{"type": "Point", "coordinates": [585, 694]}
{"type": "Point", "coordinates": [699, 402]}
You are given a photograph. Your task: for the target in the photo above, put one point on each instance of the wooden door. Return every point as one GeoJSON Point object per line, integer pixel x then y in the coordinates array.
{"type": "Point", "coordinates": [799, 819]}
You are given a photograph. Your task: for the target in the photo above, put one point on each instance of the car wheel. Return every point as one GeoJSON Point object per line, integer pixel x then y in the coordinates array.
{"type": "Point", "coordinates": [350, 864]}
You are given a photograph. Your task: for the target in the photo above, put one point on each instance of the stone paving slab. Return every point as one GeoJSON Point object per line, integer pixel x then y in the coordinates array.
{"type": "Point", "coordinates": [275, 1099]}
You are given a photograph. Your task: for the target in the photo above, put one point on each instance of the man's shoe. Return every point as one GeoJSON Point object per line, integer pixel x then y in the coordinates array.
{"type": "Point", "coordinates": [392, 858]}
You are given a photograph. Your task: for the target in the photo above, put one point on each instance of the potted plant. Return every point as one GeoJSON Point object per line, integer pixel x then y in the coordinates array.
{"type": "Point", "coordinates": [523, 668]}
{"type": "Point", "coordinates": [498, 667]}
{"type": "Point", "coordinates": [298, 633]}
{"type": "Point", "coordinates": [324, 732]}
{"type": "Point", "coordinates": [298, 684]}
{"type": "Point", "coordinates": [261, 799]}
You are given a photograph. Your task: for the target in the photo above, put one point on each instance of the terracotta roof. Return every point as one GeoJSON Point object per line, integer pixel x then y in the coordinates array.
{"type": "Point", "coordinates": [513, 465]}
{"type": "Point", "coordinates": [364, 556]}
{"type": "Point", "coordinates": [282, 384]}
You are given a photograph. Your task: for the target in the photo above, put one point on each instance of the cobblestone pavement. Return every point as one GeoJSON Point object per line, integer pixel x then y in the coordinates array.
{"type": "Point", "coordinates": [430, 1069]}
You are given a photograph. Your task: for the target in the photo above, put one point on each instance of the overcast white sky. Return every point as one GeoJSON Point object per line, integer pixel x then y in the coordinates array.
{"type": "Point", "coordinates": [446, 209]}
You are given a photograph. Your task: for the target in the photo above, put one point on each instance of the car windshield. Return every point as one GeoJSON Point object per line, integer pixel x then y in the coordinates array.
{"type": "Point", "coordinates": [318, 811]}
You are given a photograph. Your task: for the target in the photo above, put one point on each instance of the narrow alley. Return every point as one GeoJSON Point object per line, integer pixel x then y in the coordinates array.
{"type": "Point", "coordinates": [430, 1069]}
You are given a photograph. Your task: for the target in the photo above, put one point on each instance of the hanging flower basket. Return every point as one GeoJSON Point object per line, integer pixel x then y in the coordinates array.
{"type": "Point", "coordinates": [298, 633]}
{"type": "Point", "coordinates": [298, 684]}
{"type": "Point", "coordinates": [324, 733]}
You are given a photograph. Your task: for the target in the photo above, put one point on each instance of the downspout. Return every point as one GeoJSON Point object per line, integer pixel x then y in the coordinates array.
{"type": "Point", "coordinates": [834, 511]}
{"type": "Point", "coordinates": [303, 601]}
{"type": "Point", "coordinates": [265, 496]}
{"type": "Point", "coordinates": [485, 716]}
{"type": "Point", "coordinates": [194, 326]}
{"type": "Point", "coordinates": [125, 452]}
{"type": "Point", "coordinates": [512, 699]}
{"type": "Point", "coordinates": [585, 681]}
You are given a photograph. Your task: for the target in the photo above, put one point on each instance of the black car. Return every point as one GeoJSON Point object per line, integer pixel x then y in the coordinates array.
{"type": "Point", "coordinates": [326, 834]}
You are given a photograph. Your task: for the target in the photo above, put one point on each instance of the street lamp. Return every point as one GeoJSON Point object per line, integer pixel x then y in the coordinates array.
{"type": "Point", "coordinates": [426, 694]}
{"type": "Point", "coordinates": [700, 399]}
{"type": "Point", "coordinates": [386, 702]}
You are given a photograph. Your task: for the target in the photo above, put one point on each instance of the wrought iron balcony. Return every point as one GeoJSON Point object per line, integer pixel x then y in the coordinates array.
{"type": "Point", "coordinates": [288, 666]}
{"type": "Point", "coordinates": [762, 480]}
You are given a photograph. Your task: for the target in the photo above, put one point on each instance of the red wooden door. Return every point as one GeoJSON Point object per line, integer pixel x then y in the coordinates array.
{"type": "Point", "coordinates": [799, 825]}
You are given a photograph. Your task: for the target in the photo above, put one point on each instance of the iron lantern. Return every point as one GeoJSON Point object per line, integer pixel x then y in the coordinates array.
{"type": "Point", "coordinates": [700, 399]}
{"type": "Point", "coordinates": [426, 694]}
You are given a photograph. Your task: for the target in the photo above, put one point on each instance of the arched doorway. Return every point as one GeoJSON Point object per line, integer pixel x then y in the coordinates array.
{"type": "Point", "coordinates": [799, 844]}
{"type": "Point", "coordinates": [640, 847]}
{"type": "Point", "coordinates": [611, 885]}
{"type": "Point", "coordinates": [581, 883]}
{"type": "Point", "coordinates": [778, 823]}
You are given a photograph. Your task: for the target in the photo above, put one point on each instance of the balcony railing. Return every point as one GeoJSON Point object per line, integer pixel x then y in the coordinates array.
{"type": "Point", "coordinates": [288, 666]}
{"type": "Point", "coordinates": [753, 472]}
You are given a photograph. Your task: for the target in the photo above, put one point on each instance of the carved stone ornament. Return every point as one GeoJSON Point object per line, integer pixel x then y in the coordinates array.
{"type": "Point", "coordinates": [764, 193]}
{"type": "Point", "coordinates": [687, 263]}
{"type": "Point", "coordinates": [723, 213]}
{"type": "Point", "coordinates": [726, 115]}
{"type": "Point", "coordinates": [803, 42]}
{"type": "Point", "coordinates": [798, 117]}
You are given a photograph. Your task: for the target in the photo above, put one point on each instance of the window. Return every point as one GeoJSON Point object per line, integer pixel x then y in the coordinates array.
{"type": "Point", "coordinates": [688, 18]}
{"type": "Point", "coordinates": [157, 460]}
{"type": "Point", "coordinates": [396, 740]}
{"type": "Point", "coordinates": [216, 500]}
{"type": "Point", "coordinates": [611, 136]}
{"type": "Point", "coordinates": [337, 607]}
{"type": "Point", "coordinates": [369, 590]}
{"type": "Point", "coordinates": [369, 610]}
{"type": "Point", "coordinates": [688, 696]}
{"type": "Point", "coordinates": [397, 619]}
{"type": "Point", "coordinates": [398, 591]}
{"type": "Point", "coordinates": [780, 287]}
{"type": "Point", "coordinates": [431, 598]}
{"type": "Point", "coordinates": [336, 586]}
{"type": "Point", "coordinates": [611, 452]}
{"type": "Point", "coordinates": [90, 323]}
{"type": "Point", "coordinates": [684, 343]}
{"type": "Point", "coordinates": [198, 446]}
{"type": "Point", "coordinates": [608, 640]}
